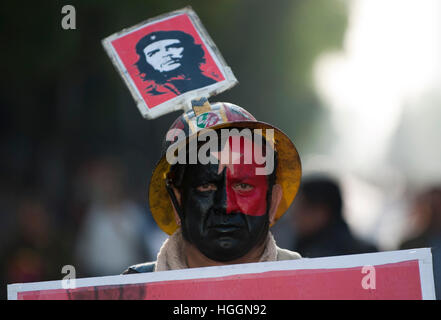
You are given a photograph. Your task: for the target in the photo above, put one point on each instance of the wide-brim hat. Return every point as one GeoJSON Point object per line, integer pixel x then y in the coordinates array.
{"type": "Point", "coordinates": [219, 116]}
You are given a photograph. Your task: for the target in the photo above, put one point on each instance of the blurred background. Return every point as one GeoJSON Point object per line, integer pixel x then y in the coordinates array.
{"type": "Point", "coordinates": [355, 84]}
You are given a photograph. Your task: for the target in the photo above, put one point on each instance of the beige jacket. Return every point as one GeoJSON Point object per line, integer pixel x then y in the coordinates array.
{"type": "Point", "coordinates": [170, 256]}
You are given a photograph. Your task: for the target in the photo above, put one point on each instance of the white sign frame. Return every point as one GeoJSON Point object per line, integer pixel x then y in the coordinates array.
{"type": "Point", "coordinates": [182, 101]}
{"type": "Point", "coordinates": [424, 257]}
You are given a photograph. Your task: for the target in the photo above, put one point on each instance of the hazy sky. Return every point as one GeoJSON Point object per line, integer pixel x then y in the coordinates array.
{"type": "Point", "coordinates": [390, 60]}
{"type": "Point", "coordinates": [382, 91]}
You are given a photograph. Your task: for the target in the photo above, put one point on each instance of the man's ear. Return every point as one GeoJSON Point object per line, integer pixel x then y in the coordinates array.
{"type": "Point", "coordinates": [276, 196]}
{"type": "Point", "coordinates": [176, 202]}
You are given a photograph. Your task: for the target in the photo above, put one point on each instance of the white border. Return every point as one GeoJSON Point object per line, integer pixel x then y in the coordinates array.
{"type": "Point", "coordinates": [182, 101]}
{"type": "Point", "coordinates": [424, 256]}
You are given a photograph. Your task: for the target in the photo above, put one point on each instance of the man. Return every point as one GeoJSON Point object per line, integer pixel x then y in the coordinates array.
{"type": "Point", "coordinates": [170, 62]}
{"type": "Point", "coordinates": [219, 212]}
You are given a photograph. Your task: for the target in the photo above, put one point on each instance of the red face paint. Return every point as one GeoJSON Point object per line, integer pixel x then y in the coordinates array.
{"type": "Point", "coordinates": [246, 191]}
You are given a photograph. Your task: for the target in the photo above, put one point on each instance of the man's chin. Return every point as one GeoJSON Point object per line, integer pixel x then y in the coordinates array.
{"type": "Point", "coordinates": [226, 243]}
{"type": "Point", "coordinates": [225, 249]}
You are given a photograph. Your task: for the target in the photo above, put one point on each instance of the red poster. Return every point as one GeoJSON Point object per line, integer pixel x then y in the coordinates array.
{"type": "Point", "coordinates": [395, 275]}
{"type": "Point", "coordinates": [168, 61]}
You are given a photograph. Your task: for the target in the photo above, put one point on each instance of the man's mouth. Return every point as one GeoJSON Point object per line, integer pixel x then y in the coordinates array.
{"type": "Point", "coordinates": [225, 228]}
{"type": "Point", "coordinates": [171, 61]}
{"type": "Point", "coordinates": [225, 223]}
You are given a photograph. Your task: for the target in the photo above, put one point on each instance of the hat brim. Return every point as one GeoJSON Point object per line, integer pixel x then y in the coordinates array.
{"type": "Point", "coordinates": [288, 175]}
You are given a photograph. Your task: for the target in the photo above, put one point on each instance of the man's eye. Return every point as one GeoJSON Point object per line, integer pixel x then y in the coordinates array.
{"type": "Point", "coordinates": [174, 46]}
{"type": "Point", "coordinates": [151, 53]}
{"type": "Point", "coordinates": [207, 187]}
{"type": "Point", "coordinates": [243, 187]}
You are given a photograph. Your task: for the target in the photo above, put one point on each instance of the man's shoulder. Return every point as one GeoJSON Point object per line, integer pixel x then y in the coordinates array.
{"type": "Point", "coordinates": [282, 254]}
{"type": "Point", "coordinates": [141, 268]}
{"type": "Point", "coordinates": [285, 254]}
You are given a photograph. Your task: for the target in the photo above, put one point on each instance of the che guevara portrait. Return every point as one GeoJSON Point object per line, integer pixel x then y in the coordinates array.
{"type": "Point", "coordinates": [167, 61]}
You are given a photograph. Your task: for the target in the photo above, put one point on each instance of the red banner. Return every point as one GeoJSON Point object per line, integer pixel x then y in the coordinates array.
{"type": "Point", "coordinates": [408, 276]}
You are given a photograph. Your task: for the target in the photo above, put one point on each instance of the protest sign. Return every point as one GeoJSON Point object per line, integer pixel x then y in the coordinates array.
{"type": "Point", "coordinates": [167, 61]}
{"type": "Point", "coordinates": [404, 274]}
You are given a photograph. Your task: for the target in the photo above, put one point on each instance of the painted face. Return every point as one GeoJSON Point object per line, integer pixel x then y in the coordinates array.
{"type": "Point", "coordinates": [164, 55]}
{"type": "Point", "coordinates": [224, 209]}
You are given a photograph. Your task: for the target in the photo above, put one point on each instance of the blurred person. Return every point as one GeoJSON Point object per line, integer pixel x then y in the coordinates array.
{"type": "Point", "coordinates": [170, 62]}
{"type": "Point", "coordinates": [426, 220]}
{"type": "Point", "coordinates": [219, 213]}
{"type": "Point", "coordinates": [113, 232]}
{"type": "Point", "coordinates": [7, 216]}
{"type": "Point", "coordinates": [36, 253]}
{"type": "Point", "coordinates": [318, 221]}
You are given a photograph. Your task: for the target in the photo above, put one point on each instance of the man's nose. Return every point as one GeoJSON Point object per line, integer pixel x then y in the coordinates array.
{"type": "Point", "coordinates": [221, 201]}
{"type": "Point", "coordinates": [165, 52]}
{"type": "Point", "coordinates": [168, 51]}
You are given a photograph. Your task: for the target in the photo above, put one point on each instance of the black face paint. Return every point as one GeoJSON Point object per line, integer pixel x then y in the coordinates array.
{"type": "Point", "coordinates": [220, 234]}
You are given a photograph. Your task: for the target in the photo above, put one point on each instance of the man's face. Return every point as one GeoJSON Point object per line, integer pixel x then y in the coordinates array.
{"type": "Point", "coordinates": [225, 209]}
{"type": "Point", "coordinates": [164, 55]}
